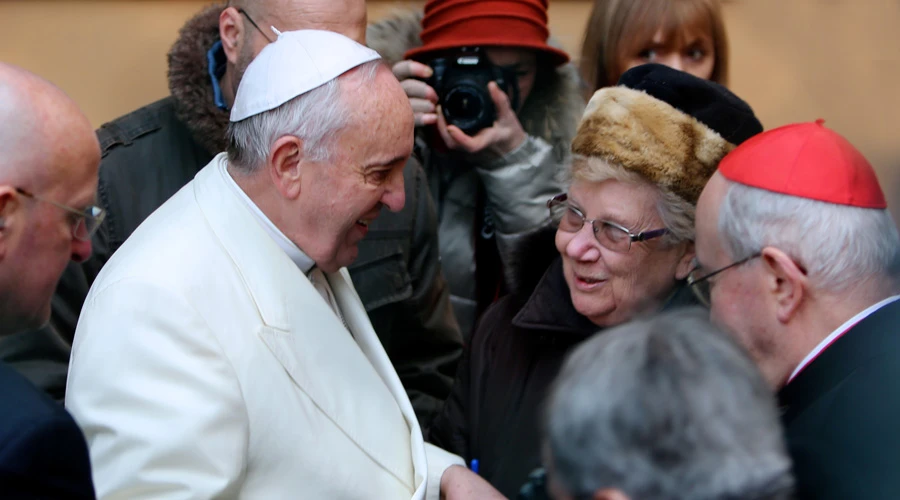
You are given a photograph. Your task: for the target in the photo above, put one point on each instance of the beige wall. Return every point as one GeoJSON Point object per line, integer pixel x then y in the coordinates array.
{"type": "Point", "coordinates": [792, 59]}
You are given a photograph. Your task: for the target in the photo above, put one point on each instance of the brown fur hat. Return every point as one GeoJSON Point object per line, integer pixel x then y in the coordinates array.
{"type": "Point", "coordinates": [658, 124]}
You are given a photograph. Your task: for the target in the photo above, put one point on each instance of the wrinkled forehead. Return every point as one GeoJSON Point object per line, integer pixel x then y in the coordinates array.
{"type": "Point", "coordinates": [379, 110]}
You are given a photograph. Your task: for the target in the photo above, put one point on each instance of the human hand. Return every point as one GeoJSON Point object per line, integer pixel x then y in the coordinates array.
{"type": "Point", "coordinates": [457, 482]}
{"type": "Point", "coordinates": [503, 137]}
{"type": "Point", "coordinates": [422, 97]}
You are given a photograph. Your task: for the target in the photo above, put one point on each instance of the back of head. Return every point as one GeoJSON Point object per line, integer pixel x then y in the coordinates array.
{"type": "Point", "coordinates": [666, 408]}
{"type": "Point", "coordinates": [619, 30]}
{"type": "Point", "coordinates": [36, 117]}
{"type": "Point", "coordinates": [806, 190]}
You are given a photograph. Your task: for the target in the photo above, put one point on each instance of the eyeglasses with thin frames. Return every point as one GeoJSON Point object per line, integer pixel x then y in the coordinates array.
{"type": "Point", "coordinates": [610, 235]}
{"type": "Point", "coordinates": [88, 221]}
{"type": "Point", "coordinates": [261, 32]}
{"type": "Point", "coordinates": [702, 286]}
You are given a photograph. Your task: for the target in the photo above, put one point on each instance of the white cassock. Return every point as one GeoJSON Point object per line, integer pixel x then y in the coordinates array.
{"type": "Point", "coordinates": [205, 364]}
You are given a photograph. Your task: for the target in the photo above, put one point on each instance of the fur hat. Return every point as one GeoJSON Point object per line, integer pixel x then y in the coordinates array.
{"type": "Point", "coordinates": [670, 127]}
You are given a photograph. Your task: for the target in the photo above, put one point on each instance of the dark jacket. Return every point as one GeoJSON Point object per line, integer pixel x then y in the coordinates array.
{"type": "Point", "coordinates": [151, 153]}
{"type": "Point", "coordinates": [485, 206]}
{"type": "Point", "coordinates": [42, 450]}
{"type": "Point", "coordinates": [494, 412]}
{"type": "Point", "coordinates": [842, 414]}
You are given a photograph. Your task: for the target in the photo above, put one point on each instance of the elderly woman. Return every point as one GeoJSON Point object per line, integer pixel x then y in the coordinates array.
{"type": "Point", "coordinates": [624, 237]}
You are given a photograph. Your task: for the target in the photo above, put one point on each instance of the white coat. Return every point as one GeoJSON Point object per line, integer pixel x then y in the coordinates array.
{"type": "Point", "coordinates": [205, 364]}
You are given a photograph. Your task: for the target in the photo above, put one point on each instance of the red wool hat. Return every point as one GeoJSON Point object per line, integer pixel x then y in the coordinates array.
{"type": "Point", "coordinates": [452, 24]}
{"type": "Point", "coordinates": [805, 160]}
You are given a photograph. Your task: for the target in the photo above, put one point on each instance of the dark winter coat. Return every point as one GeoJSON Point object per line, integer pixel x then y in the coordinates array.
{"type": "Point", "coordinates": [842, 414]}
{"type": "Point", "coordinates": [496, 406]}
{"type": "Point", "coordinates": [151, 153]}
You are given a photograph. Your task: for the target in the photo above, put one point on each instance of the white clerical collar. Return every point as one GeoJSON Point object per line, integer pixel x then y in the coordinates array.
{"type": "Point", "coordinates": [290, 248]}
{"type": "Point", "coordinates": [844, 328]}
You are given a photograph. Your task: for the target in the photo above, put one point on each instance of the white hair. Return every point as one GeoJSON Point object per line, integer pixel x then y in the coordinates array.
{"type": "Point", "coordinates": [665, 408]}
{"type": "Point", "coordinates": [839, 246]}
{"type": "Point", "coordinates": [315, 117]}
{"type": "Point", "coordinates": [676, 213]}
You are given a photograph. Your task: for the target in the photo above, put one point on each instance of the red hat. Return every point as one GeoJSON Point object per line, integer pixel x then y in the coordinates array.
{"type": "Point", "coordinates": [451, 24]}
{"type": "Point", "coordinates": [805, 160]}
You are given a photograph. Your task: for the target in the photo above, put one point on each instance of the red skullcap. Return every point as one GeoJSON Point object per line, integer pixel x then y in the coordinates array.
{"type": "Point", "coordinates": [452, 24]}
{"type": "Point", "coordinates": [805, 160]}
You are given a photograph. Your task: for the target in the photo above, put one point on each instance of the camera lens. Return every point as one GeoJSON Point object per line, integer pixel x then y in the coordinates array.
{"type": "Point", "coordinates": [465, 105]}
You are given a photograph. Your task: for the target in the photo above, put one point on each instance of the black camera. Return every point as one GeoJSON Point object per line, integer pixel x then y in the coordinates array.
{"type": "Point", "coordinates": [461, 80]}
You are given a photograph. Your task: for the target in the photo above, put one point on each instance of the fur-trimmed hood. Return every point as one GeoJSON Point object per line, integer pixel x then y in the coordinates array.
{"type": "Point", "coordinates": [551, 112]}
{"type": "Point", "coordinates": [189, 81]}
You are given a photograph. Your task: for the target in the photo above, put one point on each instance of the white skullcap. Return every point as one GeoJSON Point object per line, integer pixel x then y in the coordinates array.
{"type": "Point", "coordinates": [294, 64]}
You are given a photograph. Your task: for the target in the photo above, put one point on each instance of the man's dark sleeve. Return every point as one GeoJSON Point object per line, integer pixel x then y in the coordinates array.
{"type": "Point", "coordinates": [425, 344]}
{"type": "Point", "coordinates": [46, 458]}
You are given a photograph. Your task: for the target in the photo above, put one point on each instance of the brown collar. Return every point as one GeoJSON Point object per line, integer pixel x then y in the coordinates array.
{"type": "Point", "coordinates": [189, 80]}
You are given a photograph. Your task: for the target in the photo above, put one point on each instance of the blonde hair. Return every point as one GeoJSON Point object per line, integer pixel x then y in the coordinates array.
{"type": "Point", "coordinates": [619, 27]}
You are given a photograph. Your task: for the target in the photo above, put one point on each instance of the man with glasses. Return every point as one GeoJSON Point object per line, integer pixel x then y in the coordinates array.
{"type": "Point", "coordinates": [151, 153]}
{"type": "Point", "coordinates": [799, 258]}
{"type": "Point", "coordinates": [48, 180]}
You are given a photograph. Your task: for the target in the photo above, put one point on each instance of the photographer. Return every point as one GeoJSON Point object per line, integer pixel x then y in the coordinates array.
{"type": "Point", "coordinates": [492, 151]}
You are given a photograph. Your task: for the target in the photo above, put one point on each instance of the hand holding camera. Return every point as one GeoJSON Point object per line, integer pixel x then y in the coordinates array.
{"type": "Point", "coordinates": [422, 97]}
{"type": "Point", "coordinates": [470, 100]}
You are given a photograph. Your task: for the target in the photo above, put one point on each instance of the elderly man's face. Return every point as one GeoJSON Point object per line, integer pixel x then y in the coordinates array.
{"type": "Point", "coordinates": [737, 294]}
{"type": "Point", "coordinates": [41, 240]}
{"type": "Point", "coordinates": [611, 287]}
{"type": "Point", "coordinates": [367, 170]}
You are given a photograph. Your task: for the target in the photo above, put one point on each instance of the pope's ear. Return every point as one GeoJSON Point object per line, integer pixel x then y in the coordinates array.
{"type": "Point", "coordinates": [285, 162]}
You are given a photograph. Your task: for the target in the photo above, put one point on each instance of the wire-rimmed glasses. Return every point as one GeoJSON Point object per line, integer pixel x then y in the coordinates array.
{"type": "Point", "coordinates": [702, 286]}
{"type": "Point", "coordinates": [261, 32]}
{"type": "Point", "coordinates": [88, 220]}
{"type": "Point", "coordinates": [612, 236]}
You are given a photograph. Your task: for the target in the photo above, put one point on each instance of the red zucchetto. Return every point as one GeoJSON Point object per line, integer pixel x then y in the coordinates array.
{"type": "Point", "coordinates": [805, 160]}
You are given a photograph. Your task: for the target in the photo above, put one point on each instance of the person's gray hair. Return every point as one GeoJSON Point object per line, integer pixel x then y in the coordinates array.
{"type": "Point", "coordinates": [315, 117]}
{"type": "Point", "coordinates": [839, 246]}
{"type": "Point", "coordinates": [666, 408]}
{"type": "Point", "coordinates": [676, 213]}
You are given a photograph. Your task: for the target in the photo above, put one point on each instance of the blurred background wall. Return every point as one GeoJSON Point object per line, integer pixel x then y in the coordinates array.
{"type": "Point", "coordinates": [792, 60]}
